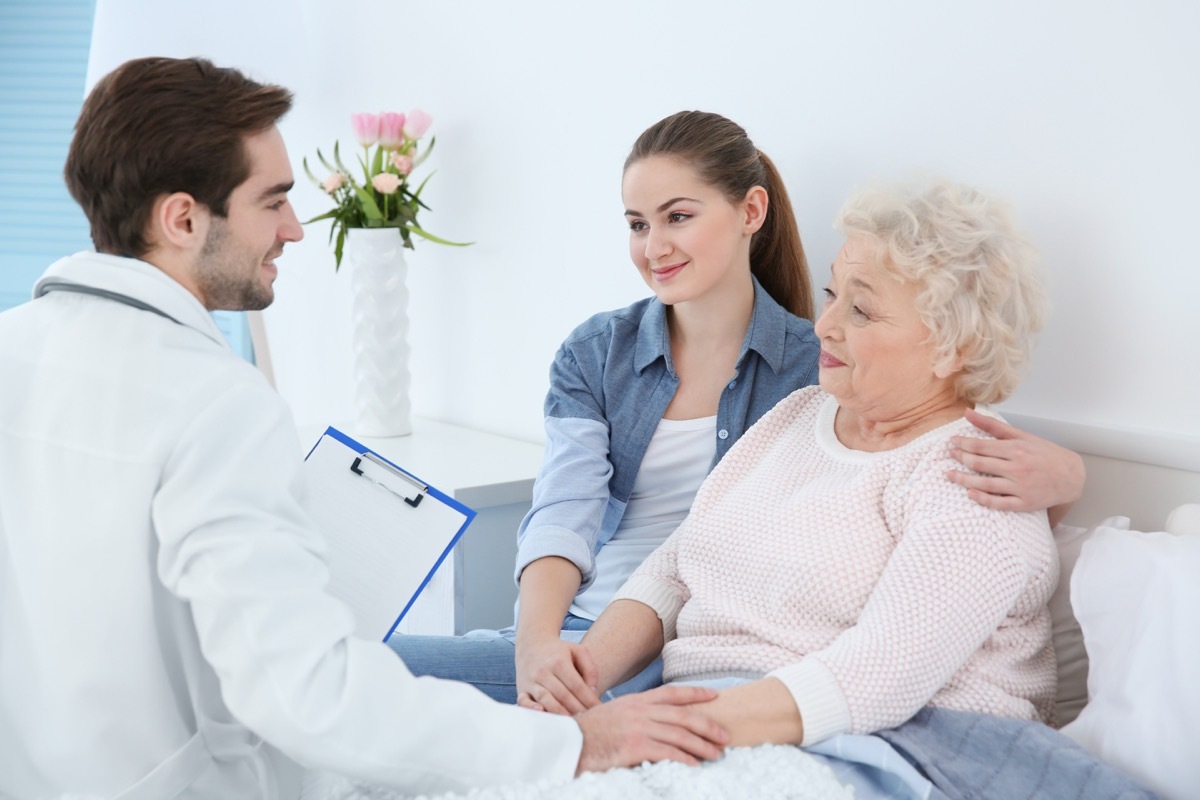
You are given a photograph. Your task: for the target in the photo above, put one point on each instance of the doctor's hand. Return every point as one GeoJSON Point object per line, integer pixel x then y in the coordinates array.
{"type": "Point", "coordinates": [656, 725]}
{"type": "Point", "coordinates": [556, 676]}
{"type": "Point", "coordinates": [1020, 471]}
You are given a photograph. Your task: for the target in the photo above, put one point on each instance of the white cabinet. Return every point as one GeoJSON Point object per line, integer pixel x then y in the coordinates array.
{"type": "Point", "coordinates": [493, 475]}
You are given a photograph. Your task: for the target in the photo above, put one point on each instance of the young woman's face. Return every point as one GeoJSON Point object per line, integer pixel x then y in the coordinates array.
{"type": "Point", "coordinates": [686, 239]}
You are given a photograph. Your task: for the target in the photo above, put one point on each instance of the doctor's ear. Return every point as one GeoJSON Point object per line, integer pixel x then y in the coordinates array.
{"type": "Point", "coordinates": [179, 221]}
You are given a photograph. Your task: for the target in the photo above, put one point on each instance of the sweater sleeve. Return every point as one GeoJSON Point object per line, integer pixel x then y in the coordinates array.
{"type": "Point", "coordinates": [571, 498]}
{"type": "Point", "coordinates": [955, 574]}
{"type": "Point", "coordinates": [656, 583]}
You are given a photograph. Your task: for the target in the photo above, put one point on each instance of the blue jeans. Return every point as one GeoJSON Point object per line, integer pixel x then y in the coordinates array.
{"type": "Point", "coordinates": [487, 660]}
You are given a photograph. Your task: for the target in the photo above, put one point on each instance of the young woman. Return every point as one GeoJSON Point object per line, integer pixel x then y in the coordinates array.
{"type": "Point", "coordinates": [644, 401]}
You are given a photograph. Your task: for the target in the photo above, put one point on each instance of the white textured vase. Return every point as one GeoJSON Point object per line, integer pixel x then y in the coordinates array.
{"type": "Point", "coordinates": [378, 277]}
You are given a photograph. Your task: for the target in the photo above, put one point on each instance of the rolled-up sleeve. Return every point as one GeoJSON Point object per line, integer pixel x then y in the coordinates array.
{"type": "Point", "coordinates": [571, 497]}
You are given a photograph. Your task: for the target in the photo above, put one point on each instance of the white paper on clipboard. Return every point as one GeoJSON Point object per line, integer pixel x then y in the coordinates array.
{"type": "Point", "coordinates": [387, 531]}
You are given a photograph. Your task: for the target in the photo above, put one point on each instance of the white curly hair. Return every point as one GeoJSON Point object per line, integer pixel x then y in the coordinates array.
{"type": "Point", "coordinates": [981, 294]}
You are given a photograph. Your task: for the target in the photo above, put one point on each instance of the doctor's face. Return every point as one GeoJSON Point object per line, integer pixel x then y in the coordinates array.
{"type": "Point", "coordinates": [236, 266]}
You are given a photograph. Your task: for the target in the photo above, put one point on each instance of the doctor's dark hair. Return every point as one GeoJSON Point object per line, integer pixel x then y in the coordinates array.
{"type": "Point", "coordinates": [721, 153]}
{"type": "Point", "coordinates": [156, 126]}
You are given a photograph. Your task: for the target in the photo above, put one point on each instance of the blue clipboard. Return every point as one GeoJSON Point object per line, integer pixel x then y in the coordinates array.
{"type": "Point", "coordinates": [387, 530]}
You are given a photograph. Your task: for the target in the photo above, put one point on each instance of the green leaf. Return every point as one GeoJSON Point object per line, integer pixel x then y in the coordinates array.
{"type": "Point", "coordinates": [337, 159]}
{"type": "Point", "coordinates": [421, 187]}
{"type": "Point", "coordinates": [312, 177]}
{"type": "Point", "coordinates": [337, 250]}
{"type": "Point", "coordinates": [437, 239]}
{"type": "Point", "coordinates": [421, 158]}
{"type": "Point", "coordinates": [377, 164]}
{"type": "Point", "coordinates": [327, 215]}
{"type": "Point", "coordinates": [366, 170]}
{"type": "Point", "coordinates": [325, 161]}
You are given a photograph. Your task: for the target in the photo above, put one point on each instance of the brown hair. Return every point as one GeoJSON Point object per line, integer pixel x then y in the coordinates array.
{"type": "Point", "coordinates": [724, 157]}
{"type": "Point", "coordinates": [156, 126]}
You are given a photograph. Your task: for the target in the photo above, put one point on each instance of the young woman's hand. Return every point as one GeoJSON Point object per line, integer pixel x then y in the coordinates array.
{"type": "Point", "coordinates": [556, 676]}
{"type": "Point", "coordinates": [1018, 471]}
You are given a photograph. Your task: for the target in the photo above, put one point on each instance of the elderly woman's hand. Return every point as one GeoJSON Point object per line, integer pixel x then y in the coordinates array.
{"type": "Point", "coordinates": [1018, 471]}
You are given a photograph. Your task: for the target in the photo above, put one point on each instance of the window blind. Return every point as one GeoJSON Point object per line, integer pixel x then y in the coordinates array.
{"type": "Point", "coordinates": [44, 48]}
{"type": "Point", "coordinates": [43, 67]}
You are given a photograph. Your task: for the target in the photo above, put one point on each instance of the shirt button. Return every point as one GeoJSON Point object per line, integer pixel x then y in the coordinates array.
{"type": "Point", "coordinates": [732, 384]}
{"type": "Point", "coordinates": [722, 434]}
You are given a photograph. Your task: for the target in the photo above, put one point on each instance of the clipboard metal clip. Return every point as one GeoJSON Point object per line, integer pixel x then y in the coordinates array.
{"type": "Point", "coordinates": [356, 468]}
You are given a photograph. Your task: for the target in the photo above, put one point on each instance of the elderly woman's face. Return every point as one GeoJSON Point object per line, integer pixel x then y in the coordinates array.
{"type": "Point", "coordinates": [875, 355]}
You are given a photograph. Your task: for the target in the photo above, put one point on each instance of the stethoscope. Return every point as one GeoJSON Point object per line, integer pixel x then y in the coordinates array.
{"type": "Point", "coordinates": [67, 286]}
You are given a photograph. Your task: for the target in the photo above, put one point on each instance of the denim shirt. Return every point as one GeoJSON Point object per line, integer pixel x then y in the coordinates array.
{"type": "Point", "coordinates": [610, 384]}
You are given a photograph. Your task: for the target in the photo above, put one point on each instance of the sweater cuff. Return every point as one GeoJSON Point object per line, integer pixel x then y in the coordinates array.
{"type": "Point", "coordinates": [823, 708]}
{"type": "Point", "coordinates": [661, 596]}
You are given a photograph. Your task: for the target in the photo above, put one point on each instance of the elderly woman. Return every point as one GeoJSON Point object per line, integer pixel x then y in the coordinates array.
{"type": "Point", "coordinates": [827, 569]}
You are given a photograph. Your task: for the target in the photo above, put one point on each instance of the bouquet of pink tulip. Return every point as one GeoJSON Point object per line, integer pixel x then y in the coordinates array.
{"type": "Point", "coordinates": [383, 199]}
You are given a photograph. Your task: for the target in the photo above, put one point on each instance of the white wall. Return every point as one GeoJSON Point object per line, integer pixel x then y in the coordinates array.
{"type": "Point", "coordinates": [1083, 114]}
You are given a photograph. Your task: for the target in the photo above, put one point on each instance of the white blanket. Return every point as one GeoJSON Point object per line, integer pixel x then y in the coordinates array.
{"type": "Point", "coordinates": [767, 772]}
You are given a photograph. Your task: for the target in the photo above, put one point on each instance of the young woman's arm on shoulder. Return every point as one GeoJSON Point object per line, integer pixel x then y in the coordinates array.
{"type": "Point", "coordinates": [1017, 470]}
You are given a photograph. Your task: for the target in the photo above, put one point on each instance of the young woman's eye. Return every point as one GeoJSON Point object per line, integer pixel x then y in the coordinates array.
{"type": "Point", "coordinates": [637, 225]}
{"type": "Point", "coordinates": [678, 216]}
{"type": "Point", "coordinates": [278, 204]}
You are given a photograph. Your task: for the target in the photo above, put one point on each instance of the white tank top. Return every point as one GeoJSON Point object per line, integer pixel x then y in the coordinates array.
{"type": "Point", "coordinates": [676, 463]}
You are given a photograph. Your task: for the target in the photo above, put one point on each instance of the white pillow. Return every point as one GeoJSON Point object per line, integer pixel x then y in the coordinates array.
{"type": "Point", "coordinates": [1068, 639]}
{"type": "Point", "coordinates": [1137, 599]}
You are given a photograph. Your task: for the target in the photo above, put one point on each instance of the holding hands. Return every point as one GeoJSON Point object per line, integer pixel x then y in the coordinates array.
{"type": "Point", "coordinates": [661, 724]}
{"type": "Point", "coordinates": [556, 676]}
{"type": "Point", "coordinates": [657, 725]}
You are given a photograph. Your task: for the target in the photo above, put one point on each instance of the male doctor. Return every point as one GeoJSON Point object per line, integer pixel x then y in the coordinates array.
{"type": "Point", "coordinates": [164, 626]}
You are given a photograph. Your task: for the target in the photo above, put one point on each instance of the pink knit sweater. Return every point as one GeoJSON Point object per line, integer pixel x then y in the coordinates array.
{"type": "Point", "coordinates": [866, 582]}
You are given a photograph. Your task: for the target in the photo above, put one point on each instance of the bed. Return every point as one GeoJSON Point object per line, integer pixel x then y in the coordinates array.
{"type": "Point", "coordinates": [1125, 623]}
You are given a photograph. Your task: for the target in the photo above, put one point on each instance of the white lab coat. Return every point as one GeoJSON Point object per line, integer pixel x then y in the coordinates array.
{"type": "Point", "coordinates": [159, 576]}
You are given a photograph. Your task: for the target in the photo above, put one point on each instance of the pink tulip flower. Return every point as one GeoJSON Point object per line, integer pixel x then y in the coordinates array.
{"type": "Point", "coordinates": [386, 182]}
{"type": "Point", "coordinates": [402, 163]}
{"type": "Point", "coordinates": [366, 128]}
{"type": "Point", "coordinates": [417, 123]}
{"type": "Point", "coordinates": [334, 182]}
{"type": "Point", "coordinates": [391, 130]}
